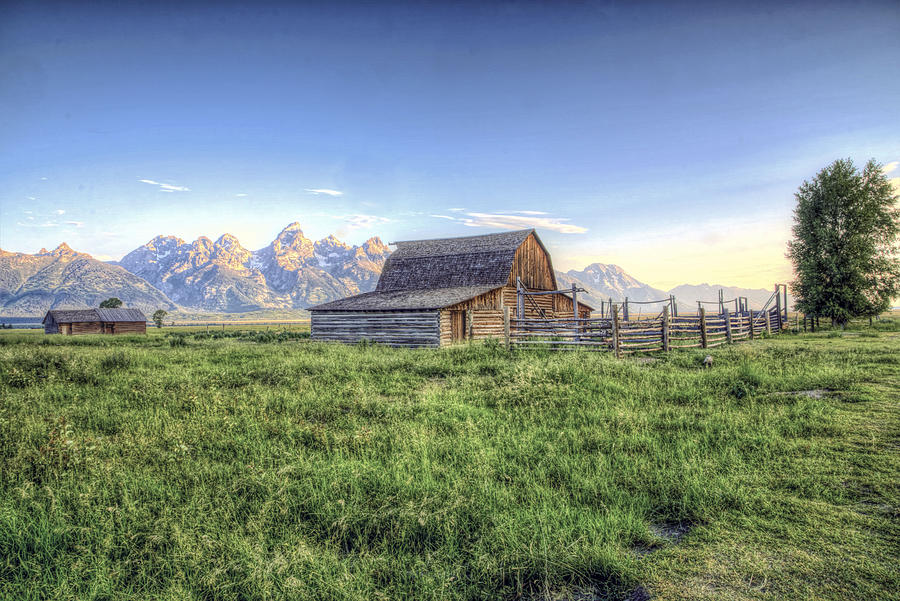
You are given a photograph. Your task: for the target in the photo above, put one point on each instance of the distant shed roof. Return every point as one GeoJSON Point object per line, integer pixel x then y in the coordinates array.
{"type": "Point", "coordinates": [484, 260]}
{"type": "Point", "coordinates": [121, 314]}
{"type": "Point", "coordinates": [72, 315]}
{"type": "Point", "coordinates": [405, 300]}
{"type": "Point", "coordinates": [107, 315]}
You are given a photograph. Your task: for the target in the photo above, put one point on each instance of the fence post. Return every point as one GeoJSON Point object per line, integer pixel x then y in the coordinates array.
{"type": "Point", "coordinates": [575, 310]}
{"type": "Point", "coordinates": [703, 327]}
{"type": "Point", "coordinates": [506, 325]}
{"type": "Point", "coordinates": [665, 328]}
{"type": "Point", "coordinates": [520, 300]}
{"type": "Point", "coordinates": [626, 309]}
{"type": "Point", "coordinates": [728, 337]}
{"type": "Point", "coordinates": [615, 331]}
{"type": "Point", "coordinates": [768, 321]}
{"type": "Point", "coordinates": [470, 326]}
{"type": "Point", "coordinates": [784, 288]}
{"type": "Point", "coordinates": [778, 306]}
{"type": "Point", "coordinates": [750, 312]}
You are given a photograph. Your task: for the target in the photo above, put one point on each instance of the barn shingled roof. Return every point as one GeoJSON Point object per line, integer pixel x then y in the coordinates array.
{"type": "Point", "coordinates": [405, 300]}
{"type": "Point", "coordinates": [484, 260]}
{"type": "Point", "coordinates": [107, 315]}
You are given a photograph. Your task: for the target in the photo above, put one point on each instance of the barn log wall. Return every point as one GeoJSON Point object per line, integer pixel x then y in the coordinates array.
{"type": "Point", "coordinates": [445, 328]}
{"type": "Point", "coordinates": [562, 307]}
{"type": "Point", "coordinates": [553, 305]}
{"type": "Point", "coordinates": [532, 265]}
{"type": "Point", "coordinates": [50, 325]}
{"type": "Point", "coordinates": [130, 327]}
{"type": "Point", "coordinates": [94, 327]}
{"type": "Point", "coordinates": [487, 323]}
{"type": "Point", "coordinates": [86, 327]}
{"type": "Point", "coordinates": [488, 300]}
{"type": "Point", "coordinates": [394, 328]}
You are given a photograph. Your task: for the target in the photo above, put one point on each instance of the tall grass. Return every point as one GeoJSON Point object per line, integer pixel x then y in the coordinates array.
{"type": "Point", "coordinates": [242, 468]}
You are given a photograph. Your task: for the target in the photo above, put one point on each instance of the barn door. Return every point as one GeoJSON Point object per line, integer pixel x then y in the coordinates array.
{"type": "Point", "coordinates": [457, 325]}
{"type": "Point", "coordinates": [109, 328]}
{"type": "Point", "coordinates": [65, 328]}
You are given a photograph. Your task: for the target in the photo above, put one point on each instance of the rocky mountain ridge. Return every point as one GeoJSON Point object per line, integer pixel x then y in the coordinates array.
{"type": "Point", "coordinates": [291, 272]}
{"type": "Point", "coordinates": [62, 277]}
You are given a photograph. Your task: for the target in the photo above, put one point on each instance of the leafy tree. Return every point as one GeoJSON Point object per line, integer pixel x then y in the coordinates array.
{"type": "Point", "coordinates": [111, 303]}
{"type": "Point", "coordinates": [844, 251]}
{"type": "Point", "coordinates": [158, 317]}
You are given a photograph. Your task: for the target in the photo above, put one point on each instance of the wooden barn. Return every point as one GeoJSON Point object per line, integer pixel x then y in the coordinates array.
{"type": "Point", "coordinates": [95, 321]}
{"type": "Point", "coordinates": [438, 292]}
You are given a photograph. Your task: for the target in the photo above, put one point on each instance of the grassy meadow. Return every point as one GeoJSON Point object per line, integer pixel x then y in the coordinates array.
{"type": "Point", "coordinates": [258, 465]}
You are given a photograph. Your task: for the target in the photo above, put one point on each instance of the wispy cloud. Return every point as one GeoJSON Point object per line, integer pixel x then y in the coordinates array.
{"type": "Point", "coordinates": [456, 209]}
{"type": "Point", "coordinates": [165, 187]}
{"type": "Point", "coordinates": [32, 198]}
{"type": "Point", "coordinates": [517, 220]}
{"type": "Point", "coordinates": [59, 212]}
{"type": "Point", "coordinates": [45, 224]}
{"type": "Point", "coordinates": [355, 222]}
{"type": "Point", "coordinates": [325, 191]}
{"type": "Point", "coordinates": [75, 223]}
{"type": "Point", "coordinates": [890, 167]}
{"type": "Point", "coordinates": [241, 195]}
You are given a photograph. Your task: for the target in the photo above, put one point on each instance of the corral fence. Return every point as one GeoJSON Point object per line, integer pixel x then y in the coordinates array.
{"type": "Point", "coordinates": [616, 333]}
{"type": "Point", "coordinates": [221, 325]}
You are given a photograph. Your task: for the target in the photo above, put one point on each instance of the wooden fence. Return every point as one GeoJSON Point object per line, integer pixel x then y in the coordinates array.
{"type": "Point", "coordinates": [663, 333]}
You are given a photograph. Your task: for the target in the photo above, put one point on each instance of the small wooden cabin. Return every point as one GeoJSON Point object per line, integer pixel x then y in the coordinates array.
{"type": "Point", "coordinates": [437, 292]}
{"type": "Point", "coordinates": [95, 321]}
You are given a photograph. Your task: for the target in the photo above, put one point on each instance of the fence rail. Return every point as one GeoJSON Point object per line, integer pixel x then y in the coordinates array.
{"type": "Point", "coordinates": [662, 333]}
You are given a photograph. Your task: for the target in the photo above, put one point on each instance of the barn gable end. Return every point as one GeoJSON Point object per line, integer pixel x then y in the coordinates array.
{"type": "Point", "coordinates": [532, 265]}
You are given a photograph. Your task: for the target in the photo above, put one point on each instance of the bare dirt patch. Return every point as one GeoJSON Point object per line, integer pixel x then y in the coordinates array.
{"type": "Point", "coordinates": [816, 393]}
{"type": "Point", "coordinates": [670, 531]}
{"type": "Point", "coordinates": [645, 360]}
{"type": "Point", "coordinates": [595, 593]}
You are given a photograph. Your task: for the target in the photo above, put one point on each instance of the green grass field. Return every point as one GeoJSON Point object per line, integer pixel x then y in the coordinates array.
{"type": "Point", "coordinates": [263, 466]}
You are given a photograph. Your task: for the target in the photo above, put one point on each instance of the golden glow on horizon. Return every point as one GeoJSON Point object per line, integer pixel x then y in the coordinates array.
{"type": "Point", "coordinates": [728, 252]}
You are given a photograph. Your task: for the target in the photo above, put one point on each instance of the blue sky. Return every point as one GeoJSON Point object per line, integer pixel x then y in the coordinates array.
{"type": "Point", "coordinates": [666, 138]}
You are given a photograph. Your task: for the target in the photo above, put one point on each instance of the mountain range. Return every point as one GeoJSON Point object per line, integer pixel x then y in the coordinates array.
{"type": "Point", "coordinates": [32, 284]}
{"type": "Point", "coordinates": [292, 272]}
